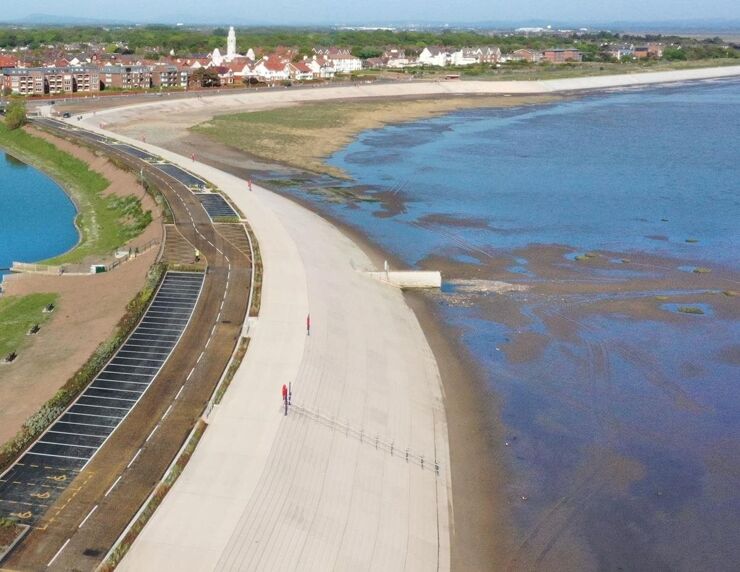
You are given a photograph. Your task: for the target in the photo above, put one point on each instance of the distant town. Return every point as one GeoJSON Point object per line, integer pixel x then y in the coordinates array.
{"type": "Point", "coordinates": [38, 68]}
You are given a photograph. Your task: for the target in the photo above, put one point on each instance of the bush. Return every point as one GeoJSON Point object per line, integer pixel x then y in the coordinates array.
{"type": "Point", "coordinates": [15, 115]}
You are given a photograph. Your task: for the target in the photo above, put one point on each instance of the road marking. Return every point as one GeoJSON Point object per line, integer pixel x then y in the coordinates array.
{"type": "Point", "coordinates": [85, 424]}
{"type": "Point", "coordinates": [166, 413]}
{"type": "Point", "coordinates": [101, 406]}
{"type": "Point", "coordinates": [152, 433]}
{"type": "Point", "coordinates": [190, 374]}
{"type": "Point", "coordinates": [89, 514]}
{"type": "Point", "coordinates": [213, 329]}
{"type": "Point", "coordinates": [131, 462]}
{"type": "Point", "coordinates": [121, 381]}
{"type": "Point", "coordinates": [78, 434]}
{"type": "Point", "coordinates": [208, 342]}
{"type": "Point", "coordinates": [68, 444]}
{"type": "Point", "coordinates": [113, 485]}
{"type": "Point", "coordinates": [108, 372]}
{"type": "Point", "coordinates": [57, 456]}
{"type": "Point", "coordinates": [200, 357]}
{"type": "Point", "coordinates": [104, 397]}
{"type": "Point", "coordinates": [218, 317]}
{"type": "Point", "coordinates": [58, 552]}
{"type": "Point", "coordinates": [178, 394]}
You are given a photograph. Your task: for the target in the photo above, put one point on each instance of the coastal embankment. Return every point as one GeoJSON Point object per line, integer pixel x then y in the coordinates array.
{"type": "Point", "coordinates": [363, 456]}
{"type": "Point", "coordinates": [474, 536]}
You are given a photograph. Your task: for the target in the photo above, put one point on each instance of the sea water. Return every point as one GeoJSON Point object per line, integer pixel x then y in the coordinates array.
{"type": "Point", "coordinates": [36, 215]}
{"type": "Point", "coordinates": [626, 434]}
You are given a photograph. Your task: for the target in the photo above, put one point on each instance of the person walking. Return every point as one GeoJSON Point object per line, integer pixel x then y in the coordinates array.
{"type": "Point", "coordinates": [308, 325]}
{"type": "Point", "coordinates": [249, 184]}
{"type": "Point", "coordinates": [285, 398]}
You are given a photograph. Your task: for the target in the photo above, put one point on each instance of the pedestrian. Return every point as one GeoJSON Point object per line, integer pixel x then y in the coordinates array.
{"type": "Point", "coordinates": [308, 325]}
{"type": "Point", "coordinates": [249, 184]}
{"type": "Point", "coordinates": [193, 157]}
{"type": "Point", "coordinates": [285, 398]}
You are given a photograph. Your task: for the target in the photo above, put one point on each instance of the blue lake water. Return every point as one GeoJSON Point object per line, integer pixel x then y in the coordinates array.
{"type": "Point", "coordinates": [36, 215]}
{"type": "Point", "coordinates": [624, 417]}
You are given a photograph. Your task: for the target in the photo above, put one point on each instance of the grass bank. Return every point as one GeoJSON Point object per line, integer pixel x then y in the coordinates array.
{"type": "Point", "coordinates": [17, 315]}
{"type": "Point", "coordinates": [303, 136]}
{"type": "Point", "coordinates": [104, 222]}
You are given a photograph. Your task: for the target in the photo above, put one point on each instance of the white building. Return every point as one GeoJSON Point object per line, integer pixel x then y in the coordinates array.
{"type": "Point", "coordinates": [345, 63]}
{"type": "Point", "coordinates": [270, 70]}
{"type": "Point", "coordinates": [231, 44]}
{"type": "Point", "coordinates": [219, 59]}
{"type": "Point", "coordinates": [464, 57]}
{"type": "Point", "coordinates": [434, 56]}
{"type": "Point", "coordinates": [322, 67]}
{"type": "Point", "coordinates": [341, 59]}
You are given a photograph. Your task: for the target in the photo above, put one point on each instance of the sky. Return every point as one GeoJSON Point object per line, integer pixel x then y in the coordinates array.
{"type": "Point", "coordinates": [335, 12]}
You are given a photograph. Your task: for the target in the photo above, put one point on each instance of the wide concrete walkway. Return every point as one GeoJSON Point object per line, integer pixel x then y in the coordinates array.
{"type": "Point", "coordinates": [269, 492]}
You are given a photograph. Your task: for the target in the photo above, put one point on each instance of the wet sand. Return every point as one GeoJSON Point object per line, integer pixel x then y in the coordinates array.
{"type": "Point", "coordinates": [634, 285]}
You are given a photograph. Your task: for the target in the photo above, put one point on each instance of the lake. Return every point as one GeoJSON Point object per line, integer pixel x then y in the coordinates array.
{"type": "Point", "coordinates": [36, 215]}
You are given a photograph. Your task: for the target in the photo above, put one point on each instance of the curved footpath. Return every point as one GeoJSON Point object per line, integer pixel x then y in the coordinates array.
{"type": "Point", "coordinates": [271, 98]}
{"type": "Point", "coordinates": [268, 492]}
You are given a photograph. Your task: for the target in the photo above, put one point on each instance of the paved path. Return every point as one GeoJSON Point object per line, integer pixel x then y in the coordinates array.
{"type": "Point", "coordinates": [266, 492]}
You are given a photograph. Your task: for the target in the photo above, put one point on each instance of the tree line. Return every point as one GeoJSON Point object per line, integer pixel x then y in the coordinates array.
{"type": "Point", "coordinates": [156, 40]}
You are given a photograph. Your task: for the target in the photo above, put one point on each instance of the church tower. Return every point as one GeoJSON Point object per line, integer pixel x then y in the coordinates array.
{"type": "Point", "coordinates": [231, 43]}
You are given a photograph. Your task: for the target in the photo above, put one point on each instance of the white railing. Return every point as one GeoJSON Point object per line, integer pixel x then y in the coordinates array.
{"type": "Point", "coordinates": [368, 438]}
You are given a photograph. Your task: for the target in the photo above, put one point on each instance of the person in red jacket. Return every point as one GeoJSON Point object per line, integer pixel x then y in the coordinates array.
{"type": "Point", "coordinates": [285, 398]}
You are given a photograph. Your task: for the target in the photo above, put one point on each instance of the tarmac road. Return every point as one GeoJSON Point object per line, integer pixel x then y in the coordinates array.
{"type": "Point", "coordinates": [77, 530]}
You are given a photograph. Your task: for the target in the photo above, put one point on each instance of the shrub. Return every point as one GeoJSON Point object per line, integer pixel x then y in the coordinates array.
{"type": "Point", "coordinates": [15, 114]}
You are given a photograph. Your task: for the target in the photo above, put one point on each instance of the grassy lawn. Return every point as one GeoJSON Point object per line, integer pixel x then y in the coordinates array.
{"type": "Point", "coordinates": [17, 315]}
{"type": "Point", "coordinates": [104, 222]}
{"type": "Point", "coordinates": [303, 136]}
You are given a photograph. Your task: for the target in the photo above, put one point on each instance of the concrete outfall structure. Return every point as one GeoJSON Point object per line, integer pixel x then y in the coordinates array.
{"type": "Point", "coordinates": [330, 485]}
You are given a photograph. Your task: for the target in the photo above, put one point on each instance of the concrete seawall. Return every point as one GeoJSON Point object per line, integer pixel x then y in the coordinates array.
{"type": "Point", "coordinates": [409, 278]}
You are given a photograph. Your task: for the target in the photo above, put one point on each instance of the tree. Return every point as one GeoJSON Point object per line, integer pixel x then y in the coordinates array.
{"type": "Point", "coordinates": [15, 114]}
{"type": "Point", "coordinates": [206, 77]}
{"type": "Point", "coordinates": [673, 54]}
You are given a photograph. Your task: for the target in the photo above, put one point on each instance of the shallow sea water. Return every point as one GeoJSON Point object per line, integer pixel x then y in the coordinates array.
{"type": "Point", "coordinates": [624, 423]}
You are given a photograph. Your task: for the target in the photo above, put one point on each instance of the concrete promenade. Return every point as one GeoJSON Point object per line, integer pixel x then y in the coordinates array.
{"type": "Point", "coordinates": [189, 111]}
{"type": "Point", "coordinates": [268, 492]}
